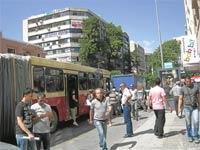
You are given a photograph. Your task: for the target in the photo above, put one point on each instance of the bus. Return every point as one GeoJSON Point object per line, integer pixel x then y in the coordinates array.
{"type": "Point", "coordinates": [55, 79]}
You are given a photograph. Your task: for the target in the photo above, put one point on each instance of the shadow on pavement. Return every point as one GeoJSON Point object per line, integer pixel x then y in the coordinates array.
{"type": "Point", "coordinates": [117, 145]}
{"type": "Point", "coordinates": [118, 124]}
{"type": "Point", "coordinates": [173, 133]}
{"type": "Point", "coordinates": [150, 131]}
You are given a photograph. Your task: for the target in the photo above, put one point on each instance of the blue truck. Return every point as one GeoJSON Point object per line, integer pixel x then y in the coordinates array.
{"type": "Point", "coordinates": [128, 79]}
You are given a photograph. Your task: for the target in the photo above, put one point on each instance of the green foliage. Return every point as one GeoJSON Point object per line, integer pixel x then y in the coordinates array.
{"type": "Point", "coordinates": [104, 39]}
{"type": "Point", "coordinates": [92, 41]}
{"type": "Point", "coordinates": [115, 72]}
{"type": "Point", "coordinates": [171, 53]}
{"type": "Point", "coordinates": [115, 40]}
{"type": "Point", "coordinates": [150, 78]}
{"type": "Point", "coordinates": [135, 59]}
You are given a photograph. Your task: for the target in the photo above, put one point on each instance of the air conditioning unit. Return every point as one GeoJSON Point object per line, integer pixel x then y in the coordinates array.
{"type": "Point", "coordinates": [59, 36]}
{"type": "Point", "coordinates": [59, 27]}
{"type": "Point", "coordinates": [50, 46]}
{"type": "Point", "coordinates": [43, 39]}
{"type": "Point", "coordinates": [59, 45]}
{"type": "Point", "coordinates": [49, 29]}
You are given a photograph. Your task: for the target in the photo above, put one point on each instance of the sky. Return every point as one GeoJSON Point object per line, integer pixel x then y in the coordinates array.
{"type": "Point", "coordinates": [136, 17]}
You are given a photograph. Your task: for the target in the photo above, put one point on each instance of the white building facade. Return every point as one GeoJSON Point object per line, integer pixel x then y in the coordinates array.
{"type": "Point", "coordinates": [58, 33]}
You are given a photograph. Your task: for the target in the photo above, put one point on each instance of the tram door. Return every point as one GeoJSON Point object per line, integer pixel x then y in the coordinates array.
{"type": "Point", "coordinates": [72, 86]}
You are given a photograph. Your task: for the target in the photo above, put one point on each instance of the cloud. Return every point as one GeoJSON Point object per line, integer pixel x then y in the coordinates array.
{"type": "Point", "coordinates": [149, 46]}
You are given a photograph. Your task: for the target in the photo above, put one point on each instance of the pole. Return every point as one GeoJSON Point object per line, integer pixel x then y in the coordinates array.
{"type": "Point", "coordinates": [159, 34]}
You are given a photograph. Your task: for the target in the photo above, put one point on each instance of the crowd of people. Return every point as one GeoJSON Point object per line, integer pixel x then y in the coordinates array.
{"type": "Point", "coordinates": [34, 121]}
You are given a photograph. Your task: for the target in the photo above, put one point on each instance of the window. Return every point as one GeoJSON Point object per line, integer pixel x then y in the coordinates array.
{"type": "Point", "coordinates": [11, 50]}
{"type": "Point", "coordinates": [92, 84]}
{"type": "Point", "coordinates": [54, 80]}
{"type": "Point", "coordinates": [38, 79]}
{"type": "Point", "coordinates": [82, 81]}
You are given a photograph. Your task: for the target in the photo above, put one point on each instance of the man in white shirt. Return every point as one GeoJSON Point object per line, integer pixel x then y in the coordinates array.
{"type": "Point", "coordinates": [41, 126]}
{"type": "Point", "coordinates": [126, 97]}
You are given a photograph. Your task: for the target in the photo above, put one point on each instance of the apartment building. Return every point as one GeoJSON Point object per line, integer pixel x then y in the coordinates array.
{"type": "Point", "coordinates": [192, 15]}
{"type": "Point", "coordinates": [19, 48]}
{"type": "Point", "coordinates": [57, 32]}
{"type": "Point", "coordinates": [140, 52]}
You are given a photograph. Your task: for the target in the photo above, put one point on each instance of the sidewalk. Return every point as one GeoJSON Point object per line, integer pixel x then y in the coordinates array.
{"type": "Point", "coordinates": [144, 138]}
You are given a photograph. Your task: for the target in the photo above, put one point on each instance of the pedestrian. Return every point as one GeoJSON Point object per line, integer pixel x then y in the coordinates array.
{"type": "Point", "coordinates": [125, 100]}
{"type": "Point", "coordinates": [133, 90]}
{"type": "Point", "coordinates": [99, 112]}
{"type": "Point", "coordinates": [190, 98]}
{"type": "Point", "coordinates": [157, 100]}
{"type": "Point", "coordinates": [73, 104]}
{"type": "Point", "coordinates": [41, 123]}
{"type": "Point", "coordinates": [90, 97]}
{"type": "Point", "coordinates": [24, 122]}
{"type": "Point", "coordinates": [175, 91]}
{"type": "Point", "coordinates": [111, 108]}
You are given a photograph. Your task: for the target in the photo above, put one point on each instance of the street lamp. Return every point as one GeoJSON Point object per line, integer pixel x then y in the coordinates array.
{"type": "Point", "coordinates": [159, 34]}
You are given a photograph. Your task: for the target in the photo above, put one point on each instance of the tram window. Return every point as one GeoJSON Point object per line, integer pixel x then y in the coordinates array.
{"type": "Point", "coordinates": [83, 80]}
{"type": "Point", "coordinates": [99, 81]}
{"type": "Point", "coordinates": [54, 80]}
{"type": "Point", "coordinates": [38, 79]}
{"type": "Point", "coordinates": [91, 81]}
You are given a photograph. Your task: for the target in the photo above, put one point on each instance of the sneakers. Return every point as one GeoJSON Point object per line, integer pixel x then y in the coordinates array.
{"type": "Point", "coordinates": [127, 136]}
{"type": "Point", "coordinates": [75, 123]}
{"type": "Point", "coordinates": [196, 141]}
{"type": "Point", "coordinates": [190, 140]}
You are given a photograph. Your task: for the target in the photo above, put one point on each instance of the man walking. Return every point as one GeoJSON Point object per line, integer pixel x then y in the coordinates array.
{"type": "Point", "coordinates": [190, 98]}
{"type": "Point", "coordinates": [158, 101]}
{"type": "Point", "coordinates": [41, 126]}
{"type": "Point", "coordinates": [100, 109]}
{"type": "Point", "coordinates": [175, 91]}
{"type": "Point", "coordinates": [126, 97]}
{"type": "Point", "coordinates": [24, 122]}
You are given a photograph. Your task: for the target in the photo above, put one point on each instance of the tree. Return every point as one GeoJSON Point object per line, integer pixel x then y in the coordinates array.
{"type": "Point", "coordinates": [171, 53]}
{"type": "Point", "coordinates": [135, 60]}
{"type": "Point", "coordinates": [115, 42]}
{"type": "Point", "coordinates": [92, 42]}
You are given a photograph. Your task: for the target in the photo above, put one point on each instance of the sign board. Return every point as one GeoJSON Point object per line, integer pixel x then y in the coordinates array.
{"type": "Point", "coordinates": [76, 24]}
{"type": "Point", "coordinates": [189, 53]}
{"type": "Point", "coordinates": [168, 65]}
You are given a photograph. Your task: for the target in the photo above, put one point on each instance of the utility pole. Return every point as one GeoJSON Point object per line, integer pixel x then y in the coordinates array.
{"type": "Point", "coordinates": [159, 34]}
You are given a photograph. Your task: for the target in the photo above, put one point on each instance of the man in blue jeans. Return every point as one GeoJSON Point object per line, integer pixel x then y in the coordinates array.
{"type": "Point", "coordinates": [190, 98]}
{"type": "Point", "coordinates": [100, 110]}
{"type": "Point", "coordinates": [126, 97]}
{"type": "Point", "coordinates": [24, 122]}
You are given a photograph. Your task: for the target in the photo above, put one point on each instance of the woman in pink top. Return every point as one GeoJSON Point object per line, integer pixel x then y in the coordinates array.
{"type": "Point", "coordinates": [158, 101]}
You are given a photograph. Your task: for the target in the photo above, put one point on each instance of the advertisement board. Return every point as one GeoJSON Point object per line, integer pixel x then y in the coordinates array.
{"type": "Point", "coordinates": [189, 53]}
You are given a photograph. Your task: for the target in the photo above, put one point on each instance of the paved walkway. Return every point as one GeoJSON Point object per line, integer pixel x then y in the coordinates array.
{"type": "Point", "coordinates": [143, 138]}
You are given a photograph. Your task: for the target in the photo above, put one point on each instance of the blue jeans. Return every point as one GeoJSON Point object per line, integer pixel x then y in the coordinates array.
{"type": "Point", "coordinates": [127, 119]}
{"type": "Point", "coordinates": [102, 130]}
{"type": "Point", "coordinates": [192, 121]}
{"type": "Point", "coordinates": [24, 144]}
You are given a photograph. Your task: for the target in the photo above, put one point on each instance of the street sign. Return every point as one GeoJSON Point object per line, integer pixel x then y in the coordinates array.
{"type": "Point", "coordinates": [168, 65]}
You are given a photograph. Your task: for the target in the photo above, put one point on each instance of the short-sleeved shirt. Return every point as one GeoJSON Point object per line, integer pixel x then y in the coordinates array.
{"type": "Point", "coordinates": [156, 93]}
{"type": "Point", "coordinates": [23, 110]}
{"type": "Point", "coordinates": [190, 95]}
{"type": "Point", "coordinates": [43, 125]}
{"type": "Point", "coordinates": [100, 108]}
{"type": "Point", "coordinates": [126, 94]}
